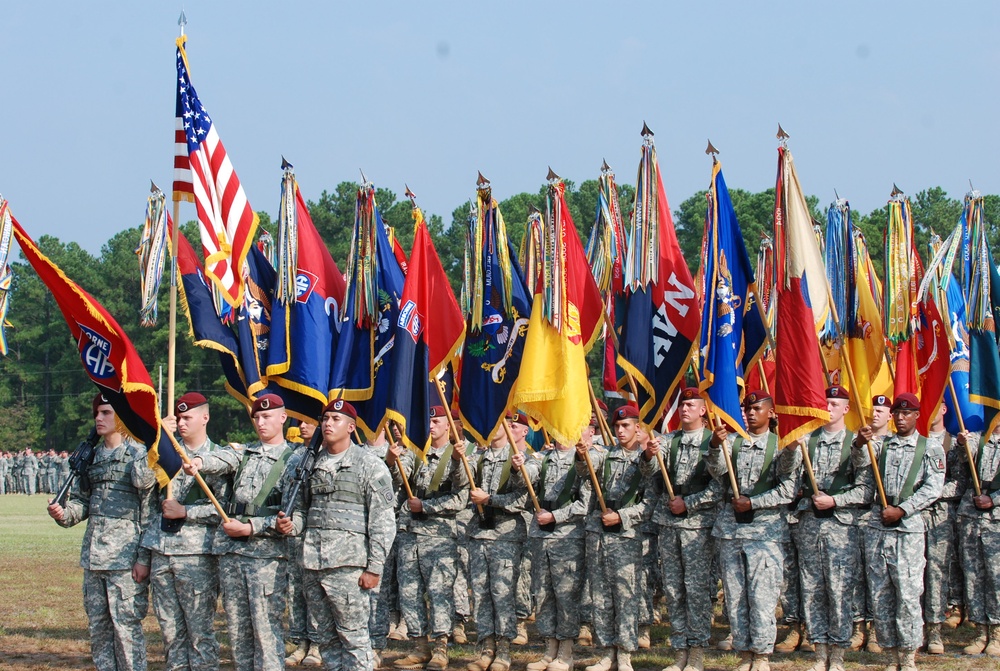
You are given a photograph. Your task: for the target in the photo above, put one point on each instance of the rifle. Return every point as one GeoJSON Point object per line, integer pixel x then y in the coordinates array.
{"type": "Point", "coordinates": [305, 467]}
{"type": "Point", "coordinates": [78, 463]}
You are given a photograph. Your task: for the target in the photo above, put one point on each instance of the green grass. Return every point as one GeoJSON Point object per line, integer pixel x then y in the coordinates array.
{"type": "Point", "coordinates": [42, 624]}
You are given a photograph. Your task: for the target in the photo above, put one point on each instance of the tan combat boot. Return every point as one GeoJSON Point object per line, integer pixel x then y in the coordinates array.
{"type": "Point", "coordinates": [313, 658]}
{"type": "Point", "coordinates": [935, 646]}
{"type": "Point", "coordinates": [680, 660]}
{"type": "Point", "coordinates": [695, 660]}
{"type": "Point", "coordinates": [606, 661]}
{"type": "Point", "coordinates": [893, 664]}
{"type": "Point", "coordinates": [439, 655]}
{"type": "Point", "coordinates": [792, 640]}
{"type": "Point", "coordinates": [836, 660]}
{"type": "Point", "coordinates": [377, 658]}
{"type": "Point", "coordinates": [458, 633]}
{"type": "Point", "coordinates": [417, 658]}
{"type": "Point", "coordinates": [746, 661]}
{"type": "Point", "coordinates": [585, 638]}
{"type": "Point", "coordinates": [487, 651]}
{"type": "Point", "coordinates": [978, 644]}
{"type": "Point", "coordinates": [399, 633]}
{"type": "Point", "coordinates": [624, 660]}
{"type": "Point", "coordinates": [564, 657]}
{"type": "Point", "coordinates": [761, 663]}
{"type": "Point", "coordinates": [644, 641]}
{"type": "Point", "coordinates": [522, 633]}
{"type": "Point", "coordinates": [872, 645]}
{"type": "Point", "coordinates": [822, 658]}
{"type": "Point", "coordinates": [725, 644]}
{"type": "Point", "coordinates": [907, 660]}
{"type": "Point", "coordinates": [858, 636]}
{"type": "Point", "coordinates": [993, 649]}
{"type": "Point", "coordinates": [502, 660]}
{"type": "Point", "coordinates": [551, 650]}
{"type": "Point", "coordinates": [955, 617]}
{"type": "Point", "coordinates": [298, 654]}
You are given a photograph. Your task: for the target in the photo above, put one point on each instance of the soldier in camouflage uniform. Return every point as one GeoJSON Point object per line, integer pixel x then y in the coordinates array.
{"type": "Point", "coordinates": [29, 473]}
{"type": "Point", "coordinates": [462, 598]}
{"type": "Point", "coordinates": [428, 551]}
{"type": "Point", "coordinates": [979, 543]}
{"type": "Point", "coordinates": [614, 544]}
{"type": "Point", "coordinates": [525, 597]}
{"type": "Point", "coordinates": [558, 535]}
{"type": "Point", "coordinates": [940, 520]}
{"type": "Point", "coordinates": [751, 528]}
{"type": "Point", "coordinates": [115, 500]}
{"type": "Point", "coordinates": [304, 653]}
{"type": "Point", "coordinates": [4, 471]}
{"type": "Point", "coordinates": [686, 546]}
{"type": "Point", "coordinates": [252, 552]}
{"type": "Point", "coordinates": [826, 534]}
{"type": "Point", "coordinates": [912, 470]}
{"type": "Point", "coordinates": [593, 442]}
{"type": "Point", "coordinates": [184, 574]}
{"type": "Point", "coordinates": [346, 514]}
{"type": "Point", "coordinates": [495, 540]}
{"type": "Point", "coordinates": [16, 467]}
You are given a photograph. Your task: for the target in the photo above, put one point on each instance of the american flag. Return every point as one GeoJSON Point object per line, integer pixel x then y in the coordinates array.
{"type": "Point", "coordinates": [204, 174]}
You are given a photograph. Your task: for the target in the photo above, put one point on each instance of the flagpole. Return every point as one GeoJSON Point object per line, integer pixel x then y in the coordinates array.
{"type": "Point", "coordinates": [399, 464]}
{"type": "Point", "coordinates": [586, 453]}
{"type": "Point", "coordinates": [524, 468]}
{"type": "Point", "coordinates": [961, 427]}
{"type": "Point", "coordinates": [649, 430]}
{"type": "Point", "coordinates": [457, 440]}
{"type": "Point", "coordinates": [182, 453]}
{"type": "Point", "coordinates": [174, 240]}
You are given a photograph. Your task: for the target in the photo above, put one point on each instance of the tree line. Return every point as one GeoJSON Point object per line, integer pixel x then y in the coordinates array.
{"type": "Point", "coordinates": [44, 393]}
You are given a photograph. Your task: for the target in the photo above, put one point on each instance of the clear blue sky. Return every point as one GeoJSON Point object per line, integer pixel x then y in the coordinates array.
{"type": "Point", "coordinates": [430, 92]}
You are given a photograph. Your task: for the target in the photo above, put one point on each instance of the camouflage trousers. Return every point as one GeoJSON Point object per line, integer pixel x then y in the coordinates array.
{"type": "Point", "coordinates": [427, 568]}
{"type": "Point", "coordinates": [460, 592]}
{"type": "Point", "coordinates": [648, 578]}
{"type": "Point", "coordinates": [896, 580]}
{"type": "Point", "coordinates": [861, 607]}
{"type": "Point", "coordinates": [790, 598]}
{"type": "Point", "coordinates": [940, 520]}
{"type": "Point", "coordinates": [586, 603]}
{"type": "Point", "coordinates": [495, 566]}
{"type": "Point", "coordinates": [686, 572]}
{"type": "Point", "coordinates": [615, 567]}
{"type": "Point", "coordinates": [558, 577]}
{"type": "Point", "coordinates": [383, 600]}
{"type": "Point", "coordinates": [751, 576]}
{"type": "Point", "coordinates": [338, 614]}
{"type": "Point", "coordinates": [980, 545]}
{"type": "Point", "coordinates": [828, 554]}
{"type": "Point", "coordinates": [253, 596]}
{"type": "Point", "coordinates": [525, 597]}
{"type": "Point", "coordinates": [297, 614]}
{"type": "Point", "coordinates": [185, 590]}
{"type": "Point", "coordinates": [28, 484]}
{"type": "Point", "coordinates": [115, 606]}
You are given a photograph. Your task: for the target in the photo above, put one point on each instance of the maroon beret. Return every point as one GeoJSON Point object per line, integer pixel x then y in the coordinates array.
{"type": "Point", "coordinates": [690, 393]}
{"type": "Point", "coordinates": [99, 400]}
{"type": "Point", "coordinates": [836, 391]}
{"type": "Point", "coordinates": [906, 401]}
{"type": "Point", "coordinates": [881, 401]}
{"type": "Point", "coordinates": [189, 401]}
{"type": "Point", "coordinates": [438, 411]}
{"type": "Point", "coordinates": [267, 402]}
{"type": "Point", "coordinates": [341, 406]}
{"type": "Point", "coordinates": [627, 411]}
{"type": "Point", "coordinates": [755, 397]}
{"type": "Point", "coordinates": [517, 418]}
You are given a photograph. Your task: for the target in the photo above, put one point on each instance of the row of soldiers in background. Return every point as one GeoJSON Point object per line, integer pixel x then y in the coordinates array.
{"type": "Point", "coordinates": [28, 472]}
{"type": "Point", "coordinates": [583, 540]}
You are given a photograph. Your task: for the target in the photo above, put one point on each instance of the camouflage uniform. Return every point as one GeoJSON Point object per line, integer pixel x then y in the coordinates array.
{"type": "Point", "coordinates": [979, 538]}
{"type": "Point", "coordinates": [29, 474]}
{"type": "Point", "coordinates": [896, 555]}
{"type": "Point", "coordinates": [616, 555]}
{"type": "Point", "coordinates": [686, 546]}
{"type": "Point", "coordinates": [16, 468]}
{"type": "Point", "coordinates": [463, 520]}
{"type": "Point", "coordinates": [558, 552]}
{"type": "Point", "coordinates": [348, 529]}
{"type": "Point", "coordinates": [4, 473]}
{"type": "Point", "coordinates": [428, 552]}
{"type": "Point", "coordinates": [252, 570]}
{"type": "Point", "coordinates": [827, 542]}
{"type": "Point", "coordinates": [941, 522]}
{"type": "Point", "coordinates": [495, 544]}
{"type": "Point", "coordinates": [116, 502]}
{"type": "Point", "coordinates": [750, 554]}
{"type": "Point", "coordinates": [184, 573]}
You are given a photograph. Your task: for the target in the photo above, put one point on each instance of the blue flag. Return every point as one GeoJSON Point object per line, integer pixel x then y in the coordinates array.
{"type": "Point", "coordinates": [971, 413]}
{"type": "Point", "coordinates": [733, 334]}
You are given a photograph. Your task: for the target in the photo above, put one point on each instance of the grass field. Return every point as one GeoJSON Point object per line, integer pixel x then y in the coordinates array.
{"type": "Point", "coordinates": [42, 624]}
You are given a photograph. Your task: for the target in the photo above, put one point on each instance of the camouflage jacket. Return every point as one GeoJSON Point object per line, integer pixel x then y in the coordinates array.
{"type": "Point", "coordinates": [442, 500]}
{"type": "Point", "coordinates": [899, 454]}
{"type": "Point", "coordinates": [624, 488]}
{"type": "Point", "coordinates": [690, 479]}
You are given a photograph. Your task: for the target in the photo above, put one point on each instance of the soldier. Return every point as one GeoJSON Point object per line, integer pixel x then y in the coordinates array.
{"type": "Point", "coordinates": [558, 534]}
{"type": "Point", "coordinates": [346, 514]}
{"type": "Point", "coordinates": [184, 572]}
{"type": "Point", "coordinates": [912, 470]}
{"type": "Point", "coordinates": [519, 428]}
{"type": "Point", "coordinates": [29, 473]}
{"type": "Point", "coordinates": [686, 546]}
{"type": "Point", "coordinates": [114, 498]}
{"type": "Point", "coordinates": [251, 550]}
{"type": "Point", "coordinates": [826, 534]}
{"type": "Point", "coordinates": [495, 540]}
{"type": "Point", "coordinates": [428, 550]}
{"type": "Point", "coordinates": [305, 652]}
{"type": "Point", "coordinates": [4, 471]}
{"type": "Point", "coordinates": [63, 471]}
{"type": "Point", "coordinates": [940, 520]}
{"type": "Point", "coordinates": [751, 529]}
{"type": "Point", "coordinates": [589, 440]}
{"type": "Point", "coordinates": [614, 545]}
{"type": "Point", "coordinates": [979, 519]}
{"type": "Point", "coordinates": [463, 601]}
{"type": "Point", "coordinates": [16, 469]}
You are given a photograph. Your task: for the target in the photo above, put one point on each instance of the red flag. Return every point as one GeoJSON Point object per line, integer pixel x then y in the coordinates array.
{"type": "Point", "coordinates": [933, 359]}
